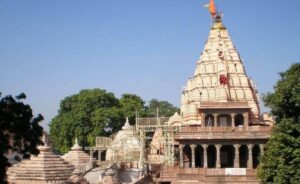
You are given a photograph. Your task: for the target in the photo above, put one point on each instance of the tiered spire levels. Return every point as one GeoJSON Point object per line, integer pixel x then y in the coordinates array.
{"type": "Point", "coordinates": [219, 76]}
{"type": "Point", "coordinates": [47, 167]}
{"type": "Point", "coordinates": [77, 157]}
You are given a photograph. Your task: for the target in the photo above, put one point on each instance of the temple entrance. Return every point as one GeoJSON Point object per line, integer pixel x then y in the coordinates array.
{"type": "Point", "coordinates": [243, 156]}
{"type": "Point", "coordinates": [239, 120]}
{"type": "Point", "coordinates": [256, 153]}
{"type": "Point", "coordinates": [209, 120]}
{"type": "Point", "coordinates": [198, 156]}
{"type": "Point", "coordinates": [227, 156]}
{"type": "Point", "coordinates": [224, 120]}
{"type": "Point", "coordinates": [187, 156]}
{"type": "Point", "coordinates": [103, 155]}
{"type": "Point", "coordinates": [211, 156]}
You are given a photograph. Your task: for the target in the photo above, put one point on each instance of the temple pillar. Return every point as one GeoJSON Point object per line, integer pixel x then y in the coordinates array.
{"type": "Point", "coordinates": [246, 119]}
{"type": "Point", "coordinates": [233, 120]}
{"type": "Point", "coordinates": [193, 146]}
{"type": "Point", "coordinates": [250, 158]}
{"type": "Point", "coordinates": [218, 161]}
{"type": "Point", "coordinates": [99, 155]}
{"type": "Point", "coordinates": [237, 156]}
{"type": "Point", "coordinates": [262, 149]}
{"type": "Point", "coordinates": [216, 119]}
{"type": "Point", "coordinates": [91, 158]}
{"type": "Point", "coordinates": [203, 119]}
{"type": "Point", "coordinates": [142, 149]}
{"type": "Point", "coordinates": [204, 146]}
{"type": "Point", "coordinates": [181, 155]}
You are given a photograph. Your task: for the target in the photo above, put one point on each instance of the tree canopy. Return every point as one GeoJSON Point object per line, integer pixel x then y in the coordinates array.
{"type": "Point", "coordinates": [96, 112]}
{"type": "Point", "coordinates": [284, 102]}
{"type": "Point", "coordinates": [20, 131]}
{"type": "Point", "coordinates": [163, 108]}
{"type": "Point", "coordinates": [281, 161]}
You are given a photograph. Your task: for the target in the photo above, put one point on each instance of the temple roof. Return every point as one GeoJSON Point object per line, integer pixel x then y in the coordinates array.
{"type": "Point", "coordinates": [125, 144]}
{"type": "Point", "coordinates": [77, 157]}
{"type": "Point", "coordinates": [47, 167]}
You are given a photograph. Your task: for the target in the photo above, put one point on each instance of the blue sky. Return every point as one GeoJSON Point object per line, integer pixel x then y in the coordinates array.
{"type": "Point", "coordinates": [52, 49]}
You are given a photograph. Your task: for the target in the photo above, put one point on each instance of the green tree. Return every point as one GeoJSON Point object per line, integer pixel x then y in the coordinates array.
{"type": "Point", "coordinates": [284, 102]}
{"type": "Point", "coordinates": [164, 108]}
{"type": "Point", "coordinates": [92, 113]}
{"type": "Point", "coordinates": [84, 115]}
{"type": "Point", "coordinates": [19, 130]}
{"type": "Point", "coordinates": [132, 104]}
{"type": "Point", "coordinates": [281, 161]}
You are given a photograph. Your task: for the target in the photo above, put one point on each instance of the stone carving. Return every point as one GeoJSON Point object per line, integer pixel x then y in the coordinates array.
{"type": "Point", "coordinates": [219, 77]}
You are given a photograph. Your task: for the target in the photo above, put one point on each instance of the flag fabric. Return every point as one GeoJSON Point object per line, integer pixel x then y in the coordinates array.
{"type": "Point", "coordinates": [212, 8]}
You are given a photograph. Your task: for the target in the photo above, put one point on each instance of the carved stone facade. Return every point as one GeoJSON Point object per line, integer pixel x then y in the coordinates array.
{"type": "Point", "coordinates": [222, 133]}
{"type": "Point", "coordinates": [219, 78]}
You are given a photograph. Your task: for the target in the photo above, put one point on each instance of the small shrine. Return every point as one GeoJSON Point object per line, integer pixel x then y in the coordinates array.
{"type": "Point", "coordinates": [77, 157]}
{"type": "Point", "coordinates": [47, 167]}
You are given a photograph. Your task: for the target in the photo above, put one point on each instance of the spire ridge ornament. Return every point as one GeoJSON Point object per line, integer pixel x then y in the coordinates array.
{"type": "Point", "coordinates": [216, 16]}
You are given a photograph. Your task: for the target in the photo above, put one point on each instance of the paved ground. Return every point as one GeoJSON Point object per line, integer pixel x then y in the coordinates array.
{"type": "Point", "coordinates": [94, 176]}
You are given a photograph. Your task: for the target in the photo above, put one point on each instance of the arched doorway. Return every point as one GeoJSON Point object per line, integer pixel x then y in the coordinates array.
{"type": "Point", "coordinates": [209, 120]}
{"type": "Point", "coordinates": [239, 120]}
{"type": "Point", "coordinates": [243, 156]}
{"type": "Point", "coordinates": [211, 156]}
{"type": "Point", "coordinates": [224, 120]}
{"type": "Point", "coordinates": [227, 156]}
{"type": "Point", "coordinates": [256, 154]}
{"type": "Point", "coordinates": [198, 156]}
{"type": "Point", "coordinates": [187, 156]}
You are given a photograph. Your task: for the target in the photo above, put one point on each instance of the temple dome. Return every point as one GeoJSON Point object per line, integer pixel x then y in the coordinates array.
{"type": "Point", "coordinates": [176, 119]}
{"type": "Point", "coordinates": [77, 157]}
{"type": "Point", "coordinates": [125, 146]}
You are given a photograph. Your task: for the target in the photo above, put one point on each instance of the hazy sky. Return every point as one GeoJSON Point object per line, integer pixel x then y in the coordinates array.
{"type": "Point", "coordinates": [52, 49]}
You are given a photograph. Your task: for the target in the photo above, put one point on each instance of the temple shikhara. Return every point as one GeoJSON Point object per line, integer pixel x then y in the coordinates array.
{"type": "Point", "coordinates": [216, 138]}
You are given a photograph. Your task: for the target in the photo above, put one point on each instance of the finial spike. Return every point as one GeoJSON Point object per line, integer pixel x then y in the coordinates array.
{"type": "Point", "coordinates": [127, 124]}
{"type": "Point", "coordinates": [44, 140]}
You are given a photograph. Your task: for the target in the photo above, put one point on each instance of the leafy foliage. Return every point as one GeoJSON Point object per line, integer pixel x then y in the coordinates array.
{"type": "Point", "coordinates": [164, 108]}
{"type": "Point", "coordinates": [19, 130]}
{"type": "Point", "coordinates": [84, 115]}
{"type": "Point", "coordinates": [132, 104]}
{"type": "Point", "coordinates": [92, 113]}
{"type": "Point", "coordinates": [281, 161]}
{"type": "Point", "coordinates": [285, 101]}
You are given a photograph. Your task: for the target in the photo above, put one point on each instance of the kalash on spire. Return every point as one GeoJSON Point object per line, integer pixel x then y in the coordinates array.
{"type": "Point", "coordinates": [216, 15]}
{"type": "Point", "coordinates": [220, 82]}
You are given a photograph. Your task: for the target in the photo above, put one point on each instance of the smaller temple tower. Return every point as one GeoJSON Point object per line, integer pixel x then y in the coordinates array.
{"type": "Point", "coordinates": [47, 167]}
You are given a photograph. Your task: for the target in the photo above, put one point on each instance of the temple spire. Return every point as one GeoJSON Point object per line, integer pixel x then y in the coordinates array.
{"type": "Point", "coordinates": [216, 15]}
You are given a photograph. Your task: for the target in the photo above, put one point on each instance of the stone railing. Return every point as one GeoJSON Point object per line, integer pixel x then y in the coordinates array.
{"type": "Point", "coordinates": [191, 129]}
{"type": "Point", "coordinates": [155, 121]}
{"type": "Point", "coordinates": [251, 132]}
{"type": "Point", "coordinates": [201, 171]}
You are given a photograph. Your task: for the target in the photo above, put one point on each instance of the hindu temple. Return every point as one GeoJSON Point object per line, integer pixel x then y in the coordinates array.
{"type": "Point", "coordinates": [217, 137]}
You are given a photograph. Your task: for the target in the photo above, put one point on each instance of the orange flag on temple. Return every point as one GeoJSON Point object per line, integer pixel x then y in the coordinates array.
{"type": "Point", "coordinates": [212, 7]}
